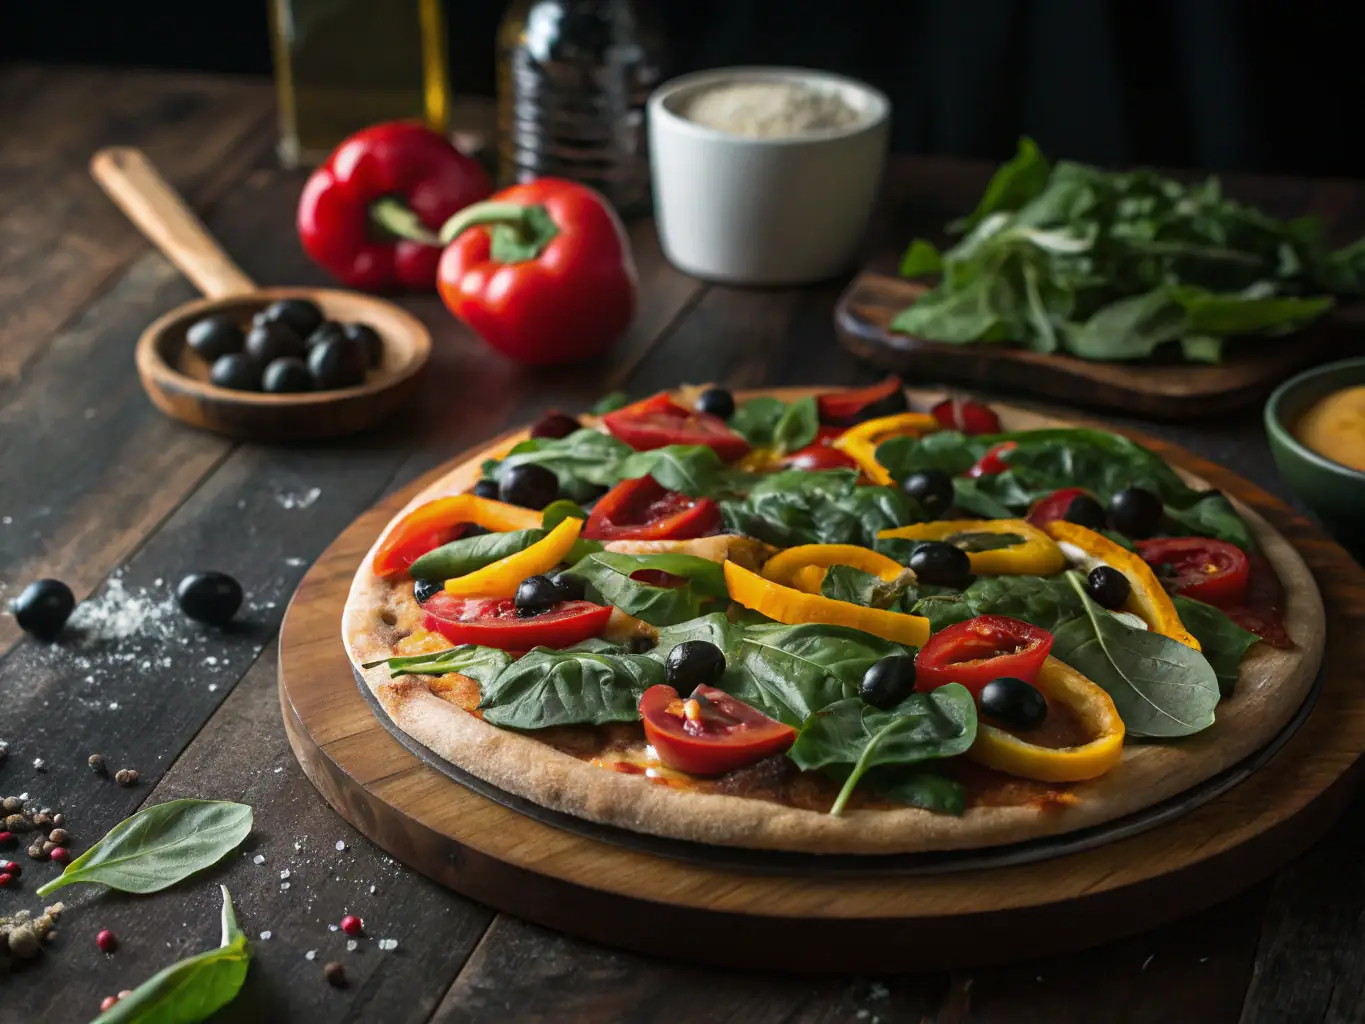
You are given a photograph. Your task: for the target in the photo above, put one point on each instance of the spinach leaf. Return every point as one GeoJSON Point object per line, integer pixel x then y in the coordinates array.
{"type": "Point", "coordinates": [159, 846]}
{"type": "Point", "coordinates": [557, 511]}
{"type": "Point", "coordinates": [845, 583]}
{"type": "Point", "coordinates": [918, 789]}
{"type": "Point", "coordinates": [1043, 601]}
{"type": "Point", "coordinates": [191, 990]}
{"type": "Point", "coordinates": [584, 462]}
{"type": "Point", "coordinates": [693, 469]}
{"type": "Point", "coordinates": [482, 664]}
{"type": "Point", "coordinates": [756, 420]}
{"type": "Point", "coordinates": [924, 726]}
{"type": "Point", "coordinates": [823, 507]}
{"type": "Point", "coordinates": [584, 685]}
{"type": "Point", "coordinates": [797, 426]}
{"type": "Point", "coordinates": [1160, 687]}
{"type": "Point", "coordinates": [1013, 184]}
{"type": "Point", "coordinates": [1224, 642]}
{"type": "Point", "coordinates": [609, 575]}
{"type": "Point", "coordinates": [715, 628]}
{"type": "Point", "coordinates": [466, 554]}
{"type": "Point", "coordinates": [610, 402]}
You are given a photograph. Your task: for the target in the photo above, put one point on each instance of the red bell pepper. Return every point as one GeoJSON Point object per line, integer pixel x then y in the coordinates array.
{"type": "Point", "coordinates": [542, 272]}
{"type": "Point", "coordinates": [992, 463]}
{"type": "Point", "coordinates": [659, 421]}
{"type": "Point", "coordinates": [370, 214]}
{"type": "Point", "coordinates": [845, 408]}
{"type": "Point", "coordinates": [967, 416]}
{"type": "Point", "coordinates": [641, 509]}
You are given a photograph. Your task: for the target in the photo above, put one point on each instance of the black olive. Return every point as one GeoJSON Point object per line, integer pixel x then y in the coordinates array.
{"type": "Point", "coordinates": [337, 363]}
{"type": "Point", "coordinates": [529, 486]}
{"type": "Point", "coordinates": [214, 336]}
{"type": "Point", "coordinates": [888, 682]}
{"type": "Point", "coordinates": [942, 565]}
{"type": "Point", "coordinates": [474, 530]}
{"type": "Point", "coordinates": [932, 488]}
{"type": "Point", "coordinates": [571, 588]}
{"type": "Point", "coordinates": [369, 338]}
{"type": "Point", "coordinates": [535, 595]}
{"type": "Point", "coordinates": [693, 663]}
{"type": "Point", "coordinates": [716, 402]}
{"type": "Point", "coordinates": [1109, 587]}
{"type": "Point", "coordinates": [487, 489]}
{"type": "Point", "coordinates": [300, 315]}
{"type": "Point", "coordinates": [555, 424]}
{"type": "Point", "coordinates": [286, 375]}
{"type": "Point", "coordinates": [1013, 702]}
{"type": "Point", "coordinates": [1085, 511]}
{"type": "Point", "coordinates": [1135, 512]}
{"type": "Point", "coordinates": [889, 406]}
{"type": "Point", "coordinates": [328, 330]}
{"type": "Point", "coordinates": [42, 608]}
{"type": "Point", "coordinates": [211, 597]}
{"type": "Point", "coordinates": [641, 644]}
{"type": "Point", "coordinates": [267, 342]}
{"type": "Point", "coordinates": [237, 371]}
{"type": "Point", "coordinates": [425, 590]}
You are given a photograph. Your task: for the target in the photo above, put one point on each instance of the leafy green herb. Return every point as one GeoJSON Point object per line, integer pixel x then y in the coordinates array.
{"type": "Point", "coordinates": [1224, 642]}
{"type": "Point", "coordinates": [588, 684]}
{"type": "Point", "coordinates": [191, 990]}
{"type": "Point", "coordinates": [756, 420]}
{"type": "Point", "coordinates": [610, 402]}
{"type": "Point", "coordinates": [693, 469]}
{"type": "Point", "coordinates": [822, 507]}
{"type": "Point", "coordinates": [715, 628]}
{"type": "Point", "coordinates": [972, 541]}
{"type": "Point", "coordinates": [923, 727]}
{"type": "Point", "coordinates": [584, 462]}
{"type": "Point", "coordinates": [557, 511]}
{"type": "Point", "coordinates": [918, 789]}
{"type": "Point", "coordinates": [481, 664]}
{"type": "Point", "coordinates": [609, 574]}
{"type": "Point", "coordinates": [845, 583]}
{"type": "Point", "coordinates": [1043, 601]}
{"type": "Point", "coordinates": [797, 426]}
{"type": "Point", "coordinates": [465, 555]}
{"type": "Point", "coordinates": [159, 846]}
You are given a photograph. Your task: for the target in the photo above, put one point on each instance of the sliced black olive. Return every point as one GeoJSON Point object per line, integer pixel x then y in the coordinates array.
{"type": "Point", "coordinates": [889, 406]}
{"type": "Point", "coordinates": [529, 486]}
{"type": "Point", "coordinates": [42, 608]}
{"type": "Point", "coordinates": [286, 375]}
{"type": "Point", "coordinates": [300, 315]}
{"type": "Point", "coordinates": [1109, 587]}
{"type": "Point", "coordinates": [888, 682]}
{"type": "Point", "coordinates": [237, 371]}
{"type": "Point", "coordinates": [211, 597]}
{"type": "Point", "coordinates": [267, 342]}
{"type": "Point", "coordinates": [1013, 702]}
{"type": "Point", "coordinates": [337, 363]}
{"type": "Point", "coordinates": [368, 338]}
{"type": "Point", "coordinates": [487, 489]}
{"type": "Point", "coordinates": [716, 402]}
{"type": "Point", "coordinates": [328, 330]}
{"type": "Point", "coordinates": [1085, 511]}
{"type": "Point", "coordinates": [693, 663]}
{"type": "Point", "coordinates": [571, 588]}
{"type": "Point", "coordinates": [932, 488]}
{"type": "Point", "coordinates": [425, 590]}
{"type": "Point", "coordinates": [641, 644]}
{"type": "Point", "coordinates": [555, 424]}
{"type": "Point", "coordinates": [942, 565]}
{"type": "Point", "coordinates": [214, 336]}
{"type": "Point", "coordinates": [536, 595]}
{"type": "Point", "coordinates": [1135, 512]}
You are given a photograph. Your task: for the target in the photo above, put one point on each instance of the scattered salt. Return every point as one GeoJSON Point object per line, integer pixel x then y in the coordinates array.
{"type": "Point", "coordinates": [7, 520]}
{"type": "Point", "coordinates": [210, 660]}
{"type": "Point", "coordinates": [352, 945]}
{"type": "Point", "coordinates": [1146, 962]}
{"type": "Point", "coordinates": [265, 936]}
{"type": "Point", "coordinates": [331, 927]}
{"type": "Point", "coordinates": [117, 613]}
{"type": "Point", "coordinates": [388, 944]}
{"type": "Point", "coordinates": [277, 771]}
{"type": "Point", "coordinates": [213, 687]}
{"type": "Point", "coordinates": [371, 890]}
{"type": "Point", "coordinates": [293, 561]}
{"type": "Point", "coordinates": [292, 501]}
{"type": "Point", "coordinates": [284, 873]}
{"type": "Point", "coordinates": [863, 1014]}
{"type": "Point", "coordinates": [341, 845]}
{"type": "Point", "coordinates": [113, 705]}
{"type": "Point", "coordinates": [312, 954]}
{"type": "Point", "coordinates": [1203, 959]}
{"type": "Point", "coordinates": [878, 991]}
{"type": "Point", "coordinates": [258, 859]}
{"type": "Point", "coordinates": [297, 846]}
{"type": "Point", "coordinates": [284, 885]}
{"type": "Point", "coordinates": [39, 765]}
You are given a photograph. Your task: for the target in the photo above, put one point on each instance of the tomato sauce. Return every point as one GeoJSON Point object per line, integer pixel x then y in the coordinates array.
{"type": "Point", "coordinates": [1061, 728]}
{"type": "Point", "coordinates": [1262, 611]}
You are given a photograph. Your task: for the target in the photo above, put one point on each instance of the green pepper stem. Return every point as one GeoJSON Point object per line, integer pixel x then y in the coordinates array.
{"type": "Point", "coordinates": [518, 233]}
{"type": "Point", "coordinates": [396, 218]}
{"type": "Point", "coordinates": [511, 214]}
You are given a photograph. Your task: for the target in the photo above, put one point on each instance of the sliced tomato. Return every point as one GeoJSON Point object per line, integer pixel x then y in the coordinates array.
{"type": "Point", "coordinates": [818, 455]}
{"type": "Point", "coordinates": [1055, 505]}
{"type": "Point", "coordinates": [1262, 609]}
{"type": "Point", "coordinates": [981, 649]}
{"type": "Point", "coordinates": [494, 622]}
{"type": "Point", "coordinates": [847, 407]}
{"type": "Point", "coordinates": [710, 732]}
{"type": "Point", "coordinates": [991, 463]}
{"type": "Point", "coordinates": [967, 416]}
{"type": "Point", "coordinates": [659, 421]}
{"type": "Point", "coordinates": [642, 509]}
{"type": "Point", "coordinates": [1208, 570]}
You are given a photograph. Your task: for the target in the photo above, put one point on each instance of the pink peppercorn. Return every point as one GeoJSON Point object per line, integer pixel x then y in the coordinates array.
{"type": "Point", "coordinates": [12, 868]}
{"type": "Point", "coordinates": [352, 925]}
{"type": "Point", "coordinates": [59, 854]}
{"type": "Point", "coordinates": [106, 941]}
{"type": "Point", "coordinates": [5, 879]}
{"type": "Point", "coordinates": [108, 1003]}
{"type": "Point", "coordinates": [7, 839]}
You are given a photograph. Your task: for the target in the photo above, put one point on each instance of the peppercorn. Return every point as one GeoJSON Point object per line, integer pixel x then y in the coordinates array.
{"type": "Point", "coordinates": [47, 848]}
{"type": "Point", "coordinates": [106, 941]}
{"type": "Point", "coordinates": [36, 851]}
{"type": "Point", "coordinates": [352, 925]}
{"type": "Point", "coordinates": [42, 819]}
{"type": "Point", "coordinates": [23, 941]}
{"type": "Point", "coordinates": [59, 836]}
{"type": "Point", "coordinates": [126, 777]}
{"type": "Point", "coordinates": [5, 879]}
{"type": "Point", "coordinates": [59, 820]}
{"type": "Point", "coordinates": [96, 763]}
{"type": "Point", "coordinates": [43, 927]}
{"type": "Point", "coordinates": [108, 1003]}
{"type": "Point", "coordinates": [11, 804]}
{"type": "Point", "coordinates": [7, 839]}
{"type": "Point", "coordinates": [12, 867]}
{"type": "Point", "coordinates": [16, 823]}
{"type": "Point", "coordinates": [59, 854]}
{"type": "Point", "coordinates": [335, 974]}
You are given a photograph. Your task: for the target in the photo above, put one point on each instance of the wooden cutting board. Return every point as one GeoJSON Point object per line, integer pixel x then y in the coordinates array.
{"type": "Point", "coordinates": [1170, 391]}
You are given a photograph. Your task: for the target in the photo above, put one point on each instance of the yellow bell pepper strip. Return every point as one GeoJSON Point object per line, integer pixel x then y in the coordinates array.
{"type": "Point", "coordinates": [860, 443]}
{"type": "Point", "coordinates": [783, 567]}
{"type": "Point", "coordinates": [502, 578]}
{"type": "Point", "coordinates": [1147, 600]}
{"type": "Point", "coordinates": [1088, 703]}
{"type": "Point", "coordinates": [809, 579]}
{"type": "Point", "coordinates": [429, 526]}
{"type": "Point", "coordinates": [794, 607]}
{"type": "Point", "coordinates": [1038, 555]}
{"type": "Point", "coordinates": [759, 460]}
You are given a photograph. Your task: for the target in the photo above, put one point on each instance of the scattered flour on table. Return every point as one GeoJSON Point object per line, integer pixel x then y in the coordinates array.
{"type": "Point", "coordinates": [293, 499]}
{"type": "Point", "coordinates": [388, 944]}
{"type": "Point", "coordinates": [118, 613]}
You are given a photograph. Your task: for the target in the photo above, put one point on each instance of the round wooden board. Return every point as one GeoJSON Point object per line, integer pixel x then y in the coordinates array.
{"type": "Point", "coordinates": [698, 911]}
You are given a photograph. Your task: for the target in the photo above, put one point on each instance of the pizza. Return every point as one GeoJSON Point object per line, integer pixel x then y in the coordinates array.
{"type": "Point", "coordinates": [833, 623]}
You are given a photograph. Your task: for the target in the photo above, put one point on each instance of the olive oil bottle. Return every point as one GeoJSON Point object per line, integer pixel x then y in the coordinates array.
{"type": "Point", "coordinates": [342, 65]}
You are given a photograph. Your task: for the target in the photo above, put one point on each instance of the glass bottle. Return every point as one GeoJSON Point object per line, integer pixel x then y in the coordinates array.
{"type": "Point", "coordinates": [342, 65]}
{"type": "Point", "coordinates": [573, 77]}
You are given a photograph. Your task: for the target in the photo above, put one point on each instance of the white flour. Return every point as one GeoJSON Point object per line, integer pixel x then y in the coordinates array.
{"type": "Point", "coordinates": [770, 110]}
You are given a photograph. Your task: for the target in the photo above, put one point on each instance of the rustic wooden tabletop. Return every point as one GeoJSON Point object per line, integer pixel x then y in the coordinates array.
{"type": "Point", "coordinates": [99, 489]}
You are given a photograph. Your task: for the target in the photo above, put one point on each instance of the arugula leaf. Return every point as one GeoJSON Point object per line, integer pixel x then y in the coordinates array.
{"type": "Point", "coordinates": [466, 554]}
{"type": "Point", "coordinates": [1045, 602]}
{"type": "Point", "coordinates": [797, 426]}
{"type": "Point", "coordinates": [1224, 642]}
{"type": "Point", "coordinates": [588, 684]}
{"type": "Point", "coordinates": [845, 583]}
{"type": "Point", "coordinates": [924, 726]}
{"type": "Point", "coordinates": [610, 402]}
{"type": "Point", "coordinates": [609, 575]}
{"type": "Point", "coordinates": [756, 420]}
{"type": "Point", "coordinates": [584, 462]}
{"type": "Point", "coordinates": [693, 469]}
{"type": "Point", "coordinates": [482, 664]}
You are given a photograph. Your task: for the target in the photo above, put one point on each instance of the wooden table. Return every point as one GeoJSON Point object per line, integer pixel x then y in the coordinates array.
{"type": "Point", "coordinates": [100, 490]}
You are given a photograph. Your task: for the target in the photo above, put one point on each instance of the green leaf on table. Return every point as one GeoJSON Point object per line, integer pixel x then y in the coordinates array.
{"type": "Point", "coordinates": [588, 684]}
{"type": "Point", "coordinates": [609, 402]}
{"type": "Point", "coordinates": [756, 419]}
{"type": "Point", "coordinates": [689, 586]}
{"type": "Point", "coordinates": [922, 259]}
{"type": "Point", "coordinates": [797, 426]}
{"type": "Point", "coordinates": [482, 664]}
{"type": "Point", "coordinates": [1224, 642]}
{"type": "Point", "coordinates": [693, 469]}
{"type": "Point", "coordinates": [465, 555]}
{"type": "Point", "coordinates": [1015, 182]}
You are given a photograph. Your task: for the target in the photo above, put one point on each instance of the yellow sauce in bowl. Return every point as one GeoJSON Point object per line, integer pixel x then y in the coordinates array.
{"type": "Point", "coordinates": [1335, 427]}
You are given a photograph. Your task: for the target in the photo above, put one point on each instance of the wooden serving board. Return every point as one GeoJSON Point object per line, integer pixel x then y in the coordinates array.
{"type": "Point", "coordinates": [721, 910]}
{"type": "Point", "coordinates": [1170, 391]}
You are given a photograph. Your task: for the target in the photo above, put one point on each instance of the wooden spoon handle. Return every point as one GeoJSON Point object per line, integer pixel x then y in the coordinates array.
{"type": "Point", "coordinates": [157, 209]}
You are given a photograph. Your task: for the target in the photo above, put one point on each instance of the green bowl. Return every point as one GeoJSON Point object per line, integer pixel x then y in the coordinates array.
{"type": "Point", "coordinates": [1334, 492]}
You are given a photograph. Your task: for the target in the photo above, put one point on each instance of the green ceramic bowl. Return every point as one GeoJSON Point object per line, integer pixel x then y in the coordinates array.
{"type": "Point", "coordinates": [1333, 491]}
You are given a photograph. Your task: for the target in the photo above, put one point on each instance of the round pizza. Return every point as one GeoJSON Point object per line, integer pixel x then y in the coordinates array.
{"type": "Point", "coordinates": [833, 623]}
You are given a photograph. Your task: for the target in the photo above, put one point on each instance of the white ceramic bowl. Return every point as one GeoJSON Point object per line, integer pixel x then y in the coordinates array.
{"type": "Point", "coordinates": [779, 211]}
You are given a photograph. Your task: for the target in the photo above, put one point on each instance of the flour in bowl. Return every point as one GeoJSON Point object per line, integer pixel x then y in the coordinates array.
{"type": "Point", "coordinates": [770, 110]}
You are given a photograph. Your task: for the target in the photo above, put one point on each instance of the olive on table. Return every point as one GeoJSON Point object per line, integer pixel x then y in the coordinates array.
{"type": "Point", "coordinates": [571, 588]}
{"type": "Point", "coordinates": [486, 489]}
{"type": "Point", "coordinates": [1135, 512]}
{"type": "Point", "coordinates": [888, 682]}
{"type": "Point", "coordinates": [42, 608]}
{"type": "Point", "coordinates": [328, 330]}
{"type": "Point", "coordinates": [693, 663]}
{"type": "Point", "coordinates": [368, 338]}
{"type": "Point", "coordinates": [536, 595]}
{"type": "Point", "coordinates": [211, 597]}
{"type": "Point", "coordinates": [237, 371]}
{"type": "Point", "coordinates": [716, 402]}
{"type": "Point", "coordinates": [300, 315]}
{"type": "Point", "coordinates": [932, 488]}
{"type": "Point", "coordinates": [287, 375]}
{"type": "Point", "coordinates": [214, 336]}
{"type": "Point", "coordinates": [529, 486]}
{"type": "Point", "coordinates": [555, 424]}
{"type": "Point", "coordinates": [1108, 586]}
{"type": "Point", "coordinates": [267, 342]}
{"type": "Point", "coordinates": [425, 590]}
{"type": "Point", "coordinates": [1013, 702]}
{"type": "Point", "coordinates": [1085, 511]}
{"type": "Point", "coordinates": [337, 363]}
{"type": "Point", "coordinates": [941, 564]}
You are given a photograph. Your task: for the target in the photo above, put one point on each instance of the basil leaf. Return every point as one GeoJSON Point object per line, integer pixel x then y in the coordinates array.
{"type": "Point", "coordinates": [1160, 687]}
{"type": "Point", "coordinates": [924, 726]}
{"type": "Point", "coordinates": [1045, 602]}
{"type": "Point", "coordinates": [609, 575]}
{"type": "Point", "coordinates": [482, 664]}
{"type": "Point", "coordinates": [756, 420]}
{"type": "Point", "coordinates": [159, 846]}
{"type": "Point", "coordinates": [583, 685]}
{"type": "Point", "coordinates": [191, 990]}
{"type": "Point", "coordinates": [584, 462]}
{"type": "Point", "coordinates": [557, 511]}
{"type": "Point", "coordinates": [466, 554]}
{"type": "Point", "coordinates": [845, 583]}
{"type": "Point", "coordinates": [797, 426]}
{"type": "Point", "coordinates": [715, 628]}
{"type": "Point", "coordinates": [1224, 642]}
{"type": "Point", "coordinates": [918, 789]}
{"type": "Point", "coordinates": [610, 402]}
{"type": "Point", "coordinates": [693, 469]}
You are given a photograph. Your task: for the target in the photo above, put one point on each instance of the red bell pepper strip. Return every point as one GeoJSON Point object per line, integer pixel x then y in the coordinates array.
{"type": "Point", "coordinates": [370, 214]}
{"type": "Point", "coordinates": [991, 463]}
{"type": "Point", "coordinates": [844, 408]}
{"type": "Point", "coordinates": [981, 649]}
{"type": "Point", "coordinates": [1201, 568]}
{"type": "Point", "coordinates": [659, 421]}
{"type": "Point", "coordinates": [542, 272]}
{"type": "Point", "coordinates": [642, 510]}
{"type": "Point", "coordinates": [710, 732]}
{"type": "Point", "coordinates": [1055, 505]}
{"type": "Point", "coordinates": [495, 622]}
{"type": "Point", "coordinates": [967, 416]}
{"type": "Point", "coordinates": [438, 522]}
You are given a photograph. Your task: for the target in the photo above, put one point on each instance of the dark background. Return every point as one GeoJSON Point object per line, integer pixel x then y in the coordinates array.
{"type": "Point", "coordinates": [1219, 84]}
